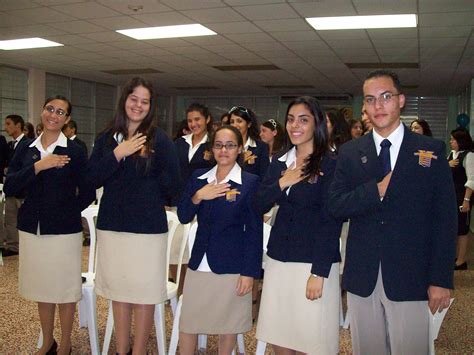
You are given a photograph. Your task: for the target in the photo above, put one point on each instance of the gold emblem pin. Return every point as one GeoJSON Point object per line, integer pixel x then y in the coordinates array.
{"type": "Point", "coordinates": [207, 155]}
{"type": "Point", "coordinates": [424, 157]}
{"type": "Point", "coordinates": [231, 195]}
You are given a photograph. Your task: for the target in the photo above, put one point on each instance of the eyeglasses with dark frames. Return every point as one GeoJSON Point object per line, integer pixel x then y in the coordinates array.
{"type": "Point", "coordinates": [227, 146]}
{"type": "Point", "coordinates": [383, 98]}
{"type": "Point", "coordinates": [60, 112]}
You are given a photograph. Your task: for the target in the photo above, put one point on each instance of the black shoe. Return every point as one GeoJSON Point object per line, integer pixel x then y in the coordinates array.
{"type": "Point", "coordinates": [53, 350]}
{"type": "Point", "coordinates": [8, 252]}
{"type": "Point", "coordinates": [83, 279]}
{"type": "Point", "coordinates": [463, 266]}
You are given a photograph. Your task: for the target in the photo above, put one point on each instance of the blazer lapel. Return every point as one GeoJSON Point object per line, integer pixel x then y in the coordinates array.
{"type": "Point", "coordinates": [368, 155]}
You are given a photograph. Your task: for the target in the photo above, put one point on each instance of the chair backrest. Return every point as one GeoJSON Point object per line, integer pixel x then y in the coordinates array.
{"type": "Point", "coordinates": [173, 223]}
{"type": "Point", "coordinates": [90, 214]}
{"type": "Point", "coordinates": [189, 233]}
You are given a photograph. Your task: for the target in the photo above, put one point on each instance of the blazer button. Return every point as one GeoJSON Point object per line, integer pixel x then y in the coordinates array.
{"type": "Point", "coordinates": [382, 222]}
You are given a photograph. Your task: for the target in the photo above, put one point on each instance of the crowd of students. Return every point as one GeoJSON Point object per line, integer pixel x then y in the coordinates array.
{"type": "Point", "coordinates": [226, 178]}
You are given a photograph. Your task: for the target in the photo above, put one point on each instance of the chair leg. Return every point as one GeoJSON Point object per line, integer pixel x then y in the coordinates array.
{"type": "Point", "coordinates": [175, 332]}
{"type": "Point", "coordinates": [202, 342]}
{"type": "Point", "coordinates": [40, 339]}
{"type": "Point", "coordinates": [341, 313]}
{"type": "Point", "coordinates": [108, 330]}
{"type": "Point", "coordinates": [347, 320]}
{"type": "Point", "coordinates": [174, 303]}
{"type": "Point", "coordinates": [81, 312]}
{"type": "Point", "coordinates": [261, 345]}
{"type": "Point", "coordinates": [91, 316]}
{"type": "Point", "coordinates": [160, 328]}
{"type": "Point", "coordinates": [241, 343]}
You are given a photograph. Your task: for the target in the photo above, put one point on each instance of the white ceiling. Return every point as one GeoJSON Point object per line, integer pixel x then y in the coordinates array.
{"type": "Point", "coordinates": [250, 32]}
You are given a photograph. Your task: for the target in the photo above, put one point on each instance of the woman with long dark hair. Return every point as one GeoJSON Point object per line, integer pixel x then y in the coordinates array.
{"type": "Point", "coordinates": [137, 165]}
{"type": "Point", "coordinates": [52, 172]}
{"type": "Point", "coordinates": [273, 134]}
{"type": "Point", "coordinates": [420, 126]}
{"type": "Point", "coordinates": [299, 311]}
{"type": "Point", "coordinates": [256, 158]}
{"type": "Point", "coordinates": [461, 161]}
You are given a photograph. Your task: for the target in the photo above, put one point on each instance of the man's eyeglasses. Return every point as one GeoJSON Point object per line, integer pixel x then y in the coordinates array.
{"type": "Point", "coordinates": [227, 146]}
{"type": "Point", "coordinates": [239, 108]}
{"type": "Point", "coordinates": [382, 99]}
{"type": "Point", "coordinates": [60, 112]}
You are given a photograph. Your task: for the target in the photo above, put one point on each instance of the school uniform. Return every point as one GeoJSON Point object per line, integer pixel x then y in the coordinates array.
{"type": "Point", "coordinates": [304, 240]}
{"type": "Point", "coordinates": [49, 220]}
{"type": "Point", "coordinates": [132, 225]}
{"type": "Point", "coordinates": [229, 243]}
{"type": "Point", "coordinates": [256, 157]}
{"type": "Point", "coordinates": [79, 142]}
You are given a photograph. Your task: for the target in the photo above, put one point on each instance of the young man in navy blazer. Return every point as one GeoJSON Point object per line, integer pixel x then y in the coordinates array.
{"type": "Point", "coordinates": [397, 190]}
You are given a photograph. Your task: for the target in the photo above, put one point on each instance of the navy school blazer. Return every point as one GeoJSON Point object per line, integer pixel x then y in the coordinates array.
{"type": "Point", "coordinates": [303, 230]}
{"type": "Point", "coordinates": [411, 233]}
{"type": "Point", "coordinates": [202, 159]}
{"type": "Point", "coordinates": [260, 164]}
{"type": "Point", "coordinates": [54, 197]}
{"type": "Point", "coordinates": [134, 197]}
{"type": "Point", "coordinates": [229, 232]}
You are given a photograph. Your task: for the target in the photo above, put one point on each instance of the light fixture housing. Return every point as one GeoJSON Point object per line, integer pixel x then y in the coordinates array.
{"type": "Point", "coordinates": [363, 22]}
{"type": "Point", "coordinates": [168, 32]}
{"type": "Point", "coordinates": [27, 43]}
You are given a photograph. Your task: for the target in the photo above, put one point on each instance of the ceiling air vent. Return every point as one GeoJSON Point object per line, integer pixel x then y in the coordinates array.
{"type": "Point", "coordinates": [382, 65]}
{"type": "Point", "coordinates": [132, 71]}
{"type": "Point", "coordinates": [288, 87]}
{"type": "Point", "coordinates": [246, 67]}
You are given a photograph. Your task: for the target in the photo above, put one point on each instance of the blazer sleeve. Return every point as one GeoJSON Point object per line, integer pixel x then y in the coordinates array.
{"type": "Point", "coordinates": [264, 160]}
{"type": "Point", "coordinates": [102, 163]}
{"type": "Point", "coordinates": [86, 191]}
{"type": "Point", "coordinates": [18, 176]}
{"type": "Point", "coordinates": [444, 223]}
{"type": "Point", "coordinates": [167, 161]}
{"type": "Point", "coordinates": [186, 209]}
{"type": "Point", "coordinates": [346, 201]}
{"type": "Point", "coordinates": [269, 191]}
{"type": "Point", "coordinates": [253, 248]}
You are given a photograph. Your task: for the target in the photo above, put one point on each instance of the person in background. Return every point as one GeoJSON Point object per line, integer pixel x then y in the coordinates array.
{"type": "Point", "coordinates": [422, 127]}
{"type": "Point", "coordinates": [356, 129]}
{"type": "Point", "coordinates": [182, 130]}
{"type": "Point", "coordinates": [29, 130]}
{"type": "Point", "coordinates": [39, 129]}
{"type": "Point", "coordinates": [70, 131]}
{"type": "Point", "coordinates": [461, 162]}
{"type": "Point", "coordinates": [338, 130]}
{"type": "Point", "coordinates": [366, 121]}
{"type": "Point", "coordinates": [299, 311]}
{"type": "Point", "coordinates": [225, 119]}
{"type": "Point", "coordinates": [51, 172]}
{"type": "Point", "coordinates": [137, 165]}
{"type": "Point", "coordinates": [272, 133]}
{"type": "Point", "coordinates": [227, 253]}
{"type": "Point", "coordinates": [14, 126]}
{"type": "Point", "coordinates": [396, 189]}
{"type": "Point", "coordinates": [256, 157]}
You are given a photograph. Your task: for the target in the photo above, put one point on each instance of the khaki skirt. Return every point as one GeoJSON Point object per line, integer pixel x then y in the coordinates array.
{"type": "Point", "coordinates": [288, 319]}
{"type": "Point", "coordinates": [176, 246]}
{"type": "Point", "coordinates": [212, 306]}
{"type": "Point", "coordinates": [50, 267]}
{"type": "Point", "coordinates": [131, 267]}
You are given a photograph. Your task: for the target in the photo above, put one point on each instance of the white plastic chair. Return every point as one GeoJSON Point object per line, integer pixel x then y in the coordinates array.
{"type": "Point", "coordinates": [172, 292]}
{"type": "Point", "coordinates": [87, 311]}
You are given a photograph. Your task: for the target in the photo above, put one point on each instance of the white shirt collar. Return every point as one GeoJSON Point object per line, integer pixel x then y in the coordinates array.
{"type": "Point", "coordinates": [396, 137]}
{"type": "Point", "coordinates": [289, 157]}
{"type": "Point", "coordinates": [73, 137]}
{"type": "Point", "coordinates": [189, 139]}
{"type": "Point", "coordinates": [19, 137]}
{"type": "Point", "coordinates": [118, 137]}
{"type": "Point", "coordinates": [61, 141]}
{"type": "Point", "coordinates": [250, 143]}
{"type": "Point", "coordinates": [235, 174]}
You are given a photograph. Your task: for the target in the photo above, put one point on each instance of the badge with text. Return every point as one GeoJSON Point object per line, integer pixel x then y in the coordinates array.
{"type": "Point", "coordinates": [249, 157]}
{"type": "Point", "coordinates": [424, 157]}
{"type": "Point", "coordinates": [231, 195]}
{"type": "Point", "coordinates": [207, 155]}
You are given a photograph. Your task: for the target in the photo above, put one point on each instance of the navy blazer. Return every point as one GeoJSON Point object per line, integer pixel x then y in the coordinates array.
{"type": "Point", "coordinates": [54, 197]}
{"type": "Point", "coordinates": [202, 159]}
{"type": "Point", "coordinates": [3, 156]}
{"type": "Point", "coordinates": [411, 233]}
{"type": "Point", "coordinates": [229, 232]}
{"type": "Point", "coordinates": [81, 144]}
{"type": "Point", "coordinates": [134, 194]}
{"type": "Point", "coordinates": [260, 164]}
{"type": "Point", "coordinates": [303, 230]}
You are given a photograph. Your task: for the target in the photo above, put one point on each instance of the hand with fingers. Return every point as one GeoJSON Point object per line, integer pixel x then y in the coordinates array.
{"type": "Point", "coordinates": [453, 163]}
{"type": "Point", "coordinates": [293, 175]}
{"type": "Point", "coordinates": [210, 192]}
{"type": "Point", "coordinates": [130, 146]}
{"type": "Point", "coordinates": [244, 285]}
{"type": "Point", "coordinates": [438, 298]}
{"type": "Point", "coordinates": [314, 287]}
{"type": "Point", "coordinates": [51, 161]}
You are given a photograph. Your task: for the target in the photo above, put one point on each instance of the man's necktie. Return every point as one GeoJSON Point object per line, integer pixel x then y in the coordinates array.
{"type": "Point", "coordinates": [384, 157]}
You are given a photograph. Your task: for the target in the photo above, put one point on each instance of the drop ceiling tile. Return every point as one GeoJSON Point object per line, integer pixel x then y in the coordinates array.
{"type": "Point", "coordinates": [343, 34]}
{"type": "Point", "coordinates": [39, 31]}
{"type": "Point", "coordinates": [18, 4]}
{"type": "Point", "coordinates": [118, 22]}
{"type": "Point", "coordinates": [398, 51]}
{"type": "Point", "coordinates": [370, 7]}
{"type": "Point", "coordinates": [234, 27]}
{"type": "Point", "coordinates": [264, 46]}
{"type": "Point", "coordinates": [429, 6]}
{"type": "Point", "coordinates": [345, 43]}
{"type": "Point", "coordinates": [192, 4]}
{"type": "Point", "coordinates": [307, 45]}
{"type": "Point", "coordinates": [78, 27]}
{"type": "Point", "coordinates": [249, 37]}
{"type": "Point", "coordinates": [168, 42]}
{"type": "Point", "coordinates": [208, 41]}
{"type": "Point", "coordinates": [70, 39]}
{"type": "Point", "coordinates": [188, 50]}
{"type": "Point", "coordinates": [393, 33]}
{"type": "Point", "coordinates": [131, 45]}
{"type": "Point", "coordinates": [222, 14]}
{"type": "Point", "coordinates": [251, 2]}
{"type": "Point", "coordinates": [325, 8]}
{"type": "Point", "coordinates": [443, 32]}
{"type": "Point", "coordinates": [123, 6]}
{"type": "Point", "coordinates": [446, 43]}
{"type": "Point", "coordinates": [295, 36]}
{"type": "Point", "coordinates": [36, 15]}
{"type": "Point", "coordinates": [267, 12]}
{"type": "Point", "coordinates": [392, 58]}
{"type": "Point", "coordinates": [464, 18]}
{"type": "Point", "coordinates": [109, 36]}
{"type": "Point", "coordinates": [163, 19]}
{"type": "Point", "coordinates": [380, 43]}
{"type": "Point", "coordinates": [347, 52]}
{"type": "Point", "coordinates": [226, 48]}
{"type": "Point", "coordinates": [95, 47]}
{"type": "Point", "coordinates": [283, 25]}
{"type": "Point", "coordinates": [86, 10]}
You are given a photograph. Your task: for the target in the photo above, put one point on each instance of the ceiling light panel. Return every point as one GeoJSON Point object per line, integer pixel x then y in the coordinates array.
{"type": "Point", "coordinates": [27, 43]}
{"type": "Point", "coordinates": [168, 32]}
{"type": "Point", "coordinates": [363, 22]}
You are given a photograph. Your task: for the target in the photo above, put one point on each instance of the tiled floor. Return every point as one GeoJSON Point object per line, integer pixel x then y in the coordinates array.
{"type": "Point", "coordinates": [19, 324]}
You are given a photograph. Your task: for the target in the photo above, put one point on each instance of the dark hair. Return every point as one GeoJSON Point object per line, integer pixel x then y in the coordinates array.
{"type": "Point", "coordinates": [386, 73]}
{"type": "Point", "coordinates": [225, 117]}
{"type": "Point", "coordinates": [250, 117]}
{"type": "Point", "coordinates": [71, 124]}
{"type": "Point", "coordinates": [146, 127]}
{"type": "Point", "coordinates": [340, 129]}
{"type": "Point", "coordinates": [62, 98]}
{"type": "Point", "coordinates": [17, 119]}
{"type": "Point", "coordinates": [321, 139]}
{"type": "Point", "coordinates": [279, 140]}
{"type": "Point", "coordinates": [203, 110]}
{"type": "Point", "coordinates": [182, 125]}
{"type": "Point", "coordinates": [30, 130]}
{"type": "Point", "coordinates": [424, 125]}
{"type": "Point", "coordinates": [463, 138]}
{"type": "Point", "coordinates": [238, 135]}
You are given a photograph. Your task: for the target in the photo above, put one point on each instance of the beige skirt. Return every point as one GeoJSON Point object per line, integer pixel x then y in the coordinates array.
{"type": "Point", "coordinates": [176, 246]}
{"type": "Point", "coordinates": [50, 267]}
{"type": "Point", "coordinates": [131, 267]}
{"type": "Point", "coordinates": [212, 306]}
{"type": "Point", "coordinates": [288, 319]}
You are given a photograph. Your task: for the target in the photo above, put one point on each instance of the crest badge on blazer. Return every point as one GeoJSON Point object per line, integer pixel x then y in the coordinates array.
{"type": "Point", "coordinates": [424, 157]}
{"type": "Point", "coordinates": [249, 157]}
{"type": "Point", "coordinates": [207, 155]}
{"type": "Point", "coordinates": [231, 196]}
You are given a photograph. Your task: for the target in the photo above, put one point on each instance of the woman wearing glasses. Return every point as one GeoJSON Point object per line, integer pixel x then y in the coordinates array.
{"type": "Point", "coordinates": [137, 165]}
{"type": "Point", "coordinates": [299, 311]}
{"type": "Point", "coordinates": [255, 155]}
{"type": "Point", "coordinates": [272, 133]}
{"type": "Point", "coordinates": [227, 253]}
{"type": "Point", "coordinates": [51, 170]}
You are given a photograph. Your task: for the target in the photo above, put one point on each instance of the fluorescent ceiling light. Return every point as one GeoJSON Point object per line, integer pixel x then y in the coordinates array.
{"type": "Point", "coordinates": [168, 31]}
{"type": "Point", "coordinates": [362, 22]}
{"type": "Point", "coordinates": [26, 43]}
